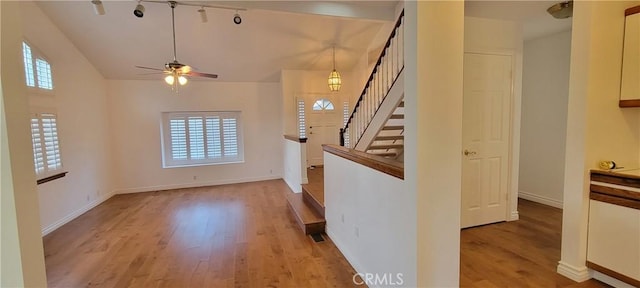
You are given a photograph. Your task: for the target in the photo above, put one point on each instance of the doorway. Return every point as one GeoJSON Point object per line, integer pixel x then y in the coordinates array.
{"type": "Point", "coordinates": [486, 138]}
{"type": "Point", "coordinates": [324, 119]}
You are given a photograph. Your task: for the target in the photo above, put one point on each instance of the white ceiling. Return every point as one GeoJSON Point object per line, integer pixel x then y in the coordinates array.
{"type": "Point", "coordinates": [536, 22]}
{"type": "Point", "coordinates": [274, 35]}
{"type": "Point", "coordinates": [296, 36]}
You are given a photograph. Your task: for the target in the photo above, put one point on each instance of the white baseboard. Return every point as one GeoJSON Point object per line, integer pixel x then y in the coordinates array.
{"type": "Point", "coordinates": [540, 199]}
{"type": "Point", "coordinates": [578, 274]}
{"type": "Point", "coordinates": [610, 280]}
{"type": "Point", "coordinates": [515, 215]}
{"type": "Point", "coordinates": [75, 214]}
{"type": "Point", "coordinates": [347, 255]}
{"type": "Point", "coordinates": [196, 184]}
{"type": "Point", "coordinates": [305, 180]}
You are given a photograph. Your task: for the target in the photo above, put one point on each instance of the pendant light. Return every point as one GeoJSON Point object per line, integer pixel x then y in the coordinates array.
{"type": "Point", "coordinates": [334, 77]}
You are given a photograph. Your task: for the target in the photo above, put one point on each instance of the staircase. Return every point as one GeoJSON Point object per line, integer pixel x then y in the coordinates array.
{"type": "Point", "coordinates": [389, 141]}
{"type": "Point", "coordinates": [308, 206]}
{"type": "Point", "coordinates": [376, 125]}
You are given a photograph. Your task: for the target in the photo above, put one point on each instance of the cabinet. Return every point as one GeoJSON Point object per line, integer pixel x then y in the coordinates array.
{"type": "Point", "coordinates": [613, 240]}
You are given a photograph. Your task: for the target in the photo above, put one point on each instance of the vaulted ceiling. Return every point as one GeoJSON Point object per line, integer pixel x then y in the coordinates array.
{"type": "Point", "coordinates": [274, 35]}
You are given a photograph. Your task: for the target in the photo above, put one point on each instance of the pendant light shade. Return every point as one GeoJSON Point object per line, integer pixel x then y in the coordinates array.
{"type": "Point", "coordinates": [334, 80]}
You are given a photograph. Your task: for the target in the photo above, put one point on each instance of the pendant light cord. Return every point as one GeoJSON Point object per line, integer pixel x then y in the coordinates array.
{"type": "Point", "coordinates": [334, 58]}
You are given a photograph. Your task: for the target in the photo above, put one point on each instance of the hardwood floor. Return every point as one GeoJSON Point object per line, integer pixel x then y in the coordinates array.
{"type": "Point", "coordinates": [238, 235]}
{"type": "Point", "coordinates": [522, 253]}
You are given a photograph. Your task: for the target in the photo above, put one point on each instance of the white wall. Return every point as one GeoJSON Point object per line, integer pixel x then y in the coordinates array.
{"type": "Point", "coordinates": [83, 130]}
{"type": "Point", "coordinates": [366, 220]}
{"type": "Point", "coordinates": [433, 52]}
{"type": "Point", "coordinates": [504, 38]}
{"type": "Point", "coordinates": [135, 108]}
{"type": "Point", "coordinates": [545, 92]}
{"type": "Point", "coordinates": [22, 261]}
{"type": "Point", "coordinates": [593, 120]}
{"type": "Point", "coordinates": [295, 164]}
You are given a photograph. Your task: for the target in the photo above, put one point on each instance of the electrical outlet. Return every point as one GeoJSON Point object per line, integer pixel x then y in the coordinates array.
{"type": "Point", "coordinates": [270, 171]}
{"type": "Point", "coordinates": [195, 177]}
{"type": "Point", "coordinates": [88, 198]}
{"type": "Point", "coordinates": [357, 232]}
{"type": "Point", "coordinates": [342, 218]}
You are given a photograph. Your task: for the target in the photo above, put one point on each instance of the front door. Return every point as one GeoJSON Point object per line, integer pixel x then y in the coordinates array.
{"type": "Point", "coordinates": [323, 122]}
{"type": "Point", "coordinates": [486, 138]}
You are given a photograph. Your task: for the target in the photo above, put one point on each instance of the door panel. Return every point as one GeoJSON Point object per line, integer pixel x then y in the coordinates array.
{"type": "Point", "coordinates": [486, 134]}
{"type": "Point", "coordinates": [323, 127]}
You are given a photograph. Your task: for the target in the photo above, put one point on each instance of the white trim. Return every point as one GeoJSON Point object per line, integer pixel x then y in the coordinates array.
{"type": "Point", "coordinates": [626, 188]}
{"type": "Point", "coordinates": [515, 215]}
{"type": "Point", "coordinates": [540, 199]}
{"type": "Point", "coordinates": [196, 184]}
{"type": "Point", "coordinates": [75, 214]}
{"type": "Point", "coordinates": [305, 180]}
{"type": "Point", "coordinates": [610, 280]}
{"type": "Point", "coordinates": [356, 266]}
{"type": "Point", "coordinates": [294, 188]}
{"type": "Point", "coordinates": [578, 274]}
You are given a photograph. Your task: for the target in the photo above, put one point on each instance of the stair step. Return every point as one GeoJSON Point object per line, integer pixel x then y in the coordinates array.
{"type": "Point", "coordinates": [397, 116]}
{"type": "Point", "coordinates": [393, 137]}
{"type": "Point", "coordinates": [385, 154]}
{"type": "Point", "coordinates": [384, 147]}
{"type": "Point", "coordinates": [401, 104]}
{"type": "Point", "coordinates": [314, 197]}
{"type": "Point", "coordinates": [393, 127]}
{"type": "Point", "coordinates": [306, 216]}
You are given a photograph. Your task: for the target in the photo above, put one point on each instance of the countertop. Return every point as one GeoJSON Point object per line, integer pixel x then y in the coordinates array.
{"type": "Point", "coordinates": [625, 173]}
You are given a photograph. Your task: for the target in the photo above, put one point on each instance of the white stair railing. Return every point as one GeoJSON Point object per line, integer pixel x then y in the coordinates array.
{"type": "Point", "coordinates": [384, 74]}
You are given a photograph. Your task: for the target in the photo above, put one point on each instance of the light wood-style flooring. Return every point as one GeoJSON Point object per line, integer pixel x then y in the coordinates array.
{"type": "Point", "coordinates": [523, 253]}
{"type": "Point", "coordinates": [240, 235]}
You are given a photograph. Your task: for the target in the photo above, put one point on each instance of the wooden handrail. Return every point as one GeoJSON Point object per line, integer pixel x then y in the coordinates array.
{"type": "Point", "coordinates": [375, 68]}
{"type": "Point", "coordinates": [388, 166]}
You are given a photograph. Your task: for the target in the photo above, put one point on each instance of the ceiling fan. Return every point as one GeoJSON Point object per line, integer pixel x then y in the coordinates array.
{"type": "Point", "coordinates": [175, 70]}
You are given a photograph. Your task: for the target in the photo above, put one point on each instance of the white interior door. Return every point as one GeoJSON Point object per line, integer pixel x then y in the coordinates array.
{"type": "Point", "coordinates": [323, 123]}
{"type": "Point", "coordinates": [486, 138]}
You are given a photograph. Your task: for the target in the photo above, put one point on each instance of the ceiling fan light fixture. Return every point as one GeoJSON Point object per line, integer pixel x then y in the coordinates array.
{"type": "Point", "coordinates": [182, 80]}
{"type": "Point", "coordinates": [561, 10]}
{"type": "Point", "coordinates": [139, 11]}
{"type": "Point", "coordinates": [203, 15]}
{"type": "Point", "coordinates": [334, 81]}
{"type": "Point", "coordinates": [97, 7]}
{"type": "Point", "coordinates": [170, 79]}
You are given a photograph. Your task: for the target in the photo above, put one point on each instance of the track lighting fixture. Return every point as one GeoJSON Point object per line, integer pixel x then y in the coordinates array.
{"type": "Point", "coordinates": [203, 15]}
{"type": "Point", "coordinates": [139, 11]}
{"type": "Point", "coordinates": [237, 19]}
{"type": "Point", "coordinates": [97, 7]}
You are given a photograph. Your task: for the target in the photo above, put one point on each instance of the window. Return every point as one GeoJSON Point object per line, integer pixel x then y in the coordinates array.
{"type": "Point", "coordinates": [36, 69]}
{"type": "Point", "coordinates": [46, 147]}
{"type": "Point", "coordinates": [301, 120]}
{"type": "Point", "coordinates": [201, 138]}
{"type": "Point", "coordinates": [322, 104]}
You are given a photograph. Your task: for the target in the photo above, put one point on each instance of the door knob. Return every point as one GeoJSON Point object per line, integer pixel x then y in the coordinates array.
{"type": "Point", "coordinates": [467, 152]}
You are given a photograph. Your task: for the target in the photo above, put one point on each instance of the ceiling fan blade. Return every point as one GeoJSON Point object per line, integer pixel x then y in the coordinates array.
{"type": "Point", "coordinates": [198, 74]}
{"type": "Point", "coordinates": [142, 67]}
{"type": "Point", "coordinates": [153, 73]}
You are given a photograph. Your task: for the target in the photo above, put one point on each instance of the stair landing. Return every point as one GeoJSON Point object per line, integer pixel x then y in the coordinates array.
{"type": "Point", "coordinates": [308, 206]}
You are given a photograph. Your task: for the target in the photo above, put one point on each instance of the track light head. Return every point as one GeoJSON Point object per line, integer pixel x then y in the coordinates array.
{"type": "Point", "coordinates": [139, 11]}
{"type": "Point", "coordinates": [203, 15]}
{"type": "Point", "coordinates": [97, 7]}
{"type": "Point", "coordinates": [237, 19]}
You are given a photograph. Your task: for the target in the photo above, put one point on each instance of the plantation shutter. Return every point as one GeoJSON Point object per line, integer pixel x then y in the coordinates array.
{"type": "Point", "coordinates": [46, 146]}
{"type": "Point", "coordinates": [200, 138]}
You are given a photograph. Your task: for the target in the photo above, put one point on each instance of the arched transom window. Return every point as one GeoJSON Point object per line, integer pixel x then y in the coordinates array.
{"type": "Point", "coordinates": [322, 104]}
